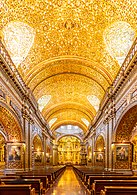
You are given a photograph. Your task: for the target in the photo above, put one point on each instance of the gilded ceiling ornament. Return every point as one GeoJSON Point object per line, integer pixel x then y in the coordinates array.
{"type": "Point", "coordinates": [69, 24]}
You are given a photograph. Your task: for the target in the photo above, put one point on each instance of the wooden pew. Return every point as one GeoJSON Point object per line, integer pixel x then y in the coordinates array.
{"type": "Point", "coordinates": [98, 185]}
{"type": "Point", "coordinates": [16, 190]}
{"type": "Point", "coordinates": [110, 177]}
{"type": "Point", "coordinates": [85, 172]}
{"type": "Point", "coordinates": [49, 175]}
{"type": "Point", "coordinates": [43, 179]}
{"type": "Point", "coordinates": [35, 183]}
{"type": "Point", "coordinates": [87, 175]}
{"type": "Point", "coordinates": [119, 190]}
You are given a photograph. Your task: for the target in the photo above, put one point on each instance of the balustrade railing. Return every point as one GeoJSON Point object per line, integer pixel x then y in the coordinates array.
{"type": "Point", "coordinates": [125, 65]}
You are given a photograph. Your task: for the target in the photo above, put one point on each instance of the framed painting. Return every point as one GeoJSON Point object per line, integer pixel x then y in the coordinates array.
{"type": "Point", "coordinates": [14, 153]}
{"type": "Point", "coordinates": [122, 155]}
{"type": "Point", "coordinates": [38, 157]}
{"type": "Point", "coordinates": [99, 156]}
{"type": "Point", "coordinates": [122, 152]}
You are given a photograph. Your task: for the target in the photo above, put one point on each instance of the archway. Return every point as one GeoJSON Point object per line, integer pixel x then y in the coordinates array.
{"type": "Point", "coordinates": [10, 139]}
{"type": "Point", "coordinates": [125, 138]}
{"type": "Point", "coordinates": [99, 154]}
{"type": "Point", "coordinates": [37, 152]}
{"type": "Point", "coordinates": [11, 127]}
{"type": "Point", "coordinates": [69, 150]}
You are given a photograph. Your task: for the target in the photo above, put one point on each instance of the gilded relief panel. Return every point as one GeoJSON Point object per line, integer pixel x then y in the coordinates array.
{"type": "Point", "coordinates": [10, 125]}
{"type": "Point", "coordinates": [128, 121]}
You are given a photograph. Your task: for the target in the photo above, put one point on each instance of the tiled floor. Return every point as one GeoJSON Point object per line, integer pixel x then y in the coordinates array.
{"type": "Point", "coordinates": [68, 184]}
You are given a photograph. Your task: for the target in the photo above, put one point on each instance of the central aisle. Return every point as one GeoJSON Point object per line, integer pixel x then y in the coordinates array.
{"type": "Point", "coordinates": [68, 184]}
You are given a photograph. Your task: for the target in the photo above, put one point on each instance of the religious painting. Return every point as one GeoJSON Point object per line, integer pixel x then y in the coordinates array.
{"type": "Point", "coordinates": [14, 153]}
{"type": "Point", "coordinates": [122, 152]}
{"type": "Point", "coordinates": [38, 157]}
{"type": "Point", "coordinates": [99, 156]}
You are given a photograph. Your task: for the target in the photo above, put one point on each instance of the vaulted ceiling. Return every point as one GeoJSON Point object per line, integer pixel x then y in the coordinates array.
{"type": "Point", "coordinates": [68, 51]}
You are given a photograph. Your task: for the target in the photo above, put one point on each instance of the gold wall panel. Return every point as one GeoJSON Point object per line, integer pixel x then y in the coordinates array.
{"type": "Point", "coordinates": [126, 125]}
{"type": "Point", "coordinates": [11, 126]}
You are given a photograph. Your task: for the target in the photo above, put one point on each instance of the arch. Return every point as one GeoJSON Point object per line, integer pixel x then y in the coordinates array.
{"type": "Point", "coordinates": [63, 106]}
{"type": "Point", "coordinates": [78, 60]}
{"type": "Point", "coordinates": [77, 136]}
{"type": "Point", "coordinates": [126, 124]}
{"type": "Point", "coordinates": [37, 152]}
{"type": "Point", "coordinates": [11, 124]}
{"type": "Point", "coordinates": [69, 122]}
{"type": "Point", "coordinates": [100, 143]}
{"type": "Point", "coordinates": [70, 73]}
{"type": "Point", "coordinates": [99, 153]}
{"type": "Point", "coordinates": [37, 143]}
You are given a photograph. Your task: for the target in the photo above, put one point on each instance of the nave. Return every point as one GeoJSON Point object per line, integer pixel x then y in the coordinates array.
{"type": "Point", "coordinates": [68, 96]}
{"type": "Point", "coordinates": [68, 184]}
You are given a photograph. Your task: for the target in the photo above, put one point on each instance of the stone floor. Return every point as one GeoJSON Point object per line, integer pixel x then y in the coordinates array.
{"type": "Point", "coordinates": [68, 184]}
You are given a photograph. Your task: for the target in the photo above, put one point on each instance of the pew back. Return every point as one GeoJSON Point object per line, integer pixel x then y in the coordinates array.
{"type": "Point", "coordinates": [16, 190]}
{"type": "Point", "coordinates": [119, 190]}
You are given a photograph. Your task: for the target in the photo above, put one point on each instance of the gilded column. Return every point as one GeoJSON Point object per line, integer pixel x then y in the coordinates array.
{"type": "Point", "coordinates": [27, 126]}
{"type": "Point", "coordinates": [51, 152]}
{"type": "Point", "coordinates": [107, 152]}
{"type": "Point", "coordinates": [83, 154]}
{"type": "Point", "coordinates": [45, 150]}
{"type": "Point", "coordinates": [55, 154]}
{"type": "Point", "coordinates": [26, 130]}
{"type": "Point", "coordinates": [93, 149]}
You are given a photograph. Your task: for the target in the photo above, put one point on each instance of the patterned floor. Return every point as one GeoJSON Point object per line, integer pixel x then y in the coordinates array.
{"type": "Point", "coordinates": [68, 184]}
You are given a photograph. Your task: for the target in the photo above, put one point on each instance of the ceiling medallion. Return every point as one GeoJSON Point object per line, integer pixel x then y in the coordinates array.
{"type": "Point", "coordinates": [69, 24]}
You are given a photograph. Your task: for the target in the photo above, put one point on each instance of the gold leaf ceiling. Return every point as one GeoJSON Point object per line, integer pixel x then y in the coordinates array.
{"type": "Point", "coordinates": [68, 59]}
